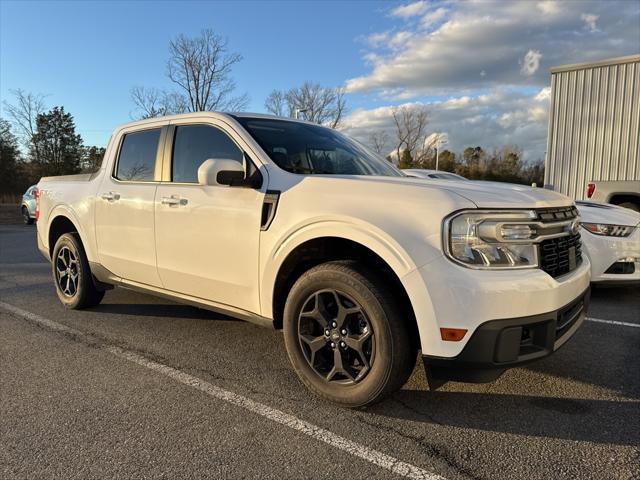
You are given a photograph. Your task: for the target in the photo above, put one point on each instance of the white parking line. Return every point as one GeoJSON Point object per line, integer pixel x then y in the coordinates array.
{"type": "Point", "coordinates": [614, 322]}
{"type": "Point", "coordinates": [370, 455]}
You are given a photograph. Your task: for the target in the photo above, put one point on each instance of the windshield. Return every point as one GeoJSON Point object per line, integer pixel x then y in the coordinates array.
{"type": "Point", "coordinates": [309, 149]}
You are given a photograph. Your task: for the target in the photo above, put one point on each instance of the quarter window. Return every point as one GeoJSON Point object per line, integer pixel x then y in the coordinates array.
{"type": "Point", "coordinates": [193, 144]}
{"type": "Point", "coordinates": [137, 160]}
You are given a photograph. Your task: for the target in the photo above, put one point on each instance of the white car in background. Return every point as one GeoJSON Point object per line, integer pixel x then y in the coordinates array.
{"type": "Point", "coordinates": [611, 240]}
{"type": "Point", "coordinates": [432, 174]}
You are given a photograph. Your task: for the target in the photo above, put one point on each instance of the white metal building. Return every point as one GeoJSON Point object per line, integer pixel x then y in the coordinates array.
{"type": "Point", "coordinates": [594, 124]}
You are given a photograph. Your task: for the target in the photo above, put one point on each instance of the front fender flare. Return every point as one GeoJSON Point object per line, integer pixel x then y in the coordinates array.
{"type": "Point", "coordinates": [368, 236]}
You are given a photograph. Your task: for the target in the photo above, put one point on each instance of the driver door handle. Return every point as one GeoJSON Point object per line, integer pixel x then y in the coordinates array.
{"type": "Point", "coordinates": [110, 196]}
{"type": "Point", "coordinates": [174, 200]}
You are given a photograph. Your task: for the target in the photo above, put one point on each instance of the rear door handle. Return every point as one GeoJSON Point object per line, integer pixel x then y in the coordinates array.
{"type": "Point", "coordinates": [174, 200]}
{"type": "Point", "coordinates": [110, 196]}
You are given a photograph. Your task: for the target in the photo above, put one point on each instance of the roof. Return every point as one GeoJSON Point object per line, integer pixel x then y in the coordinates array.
{"type": "Point", "coordinates": [599, 63]}
{"type": "Point", "coordinates": [217, 115]}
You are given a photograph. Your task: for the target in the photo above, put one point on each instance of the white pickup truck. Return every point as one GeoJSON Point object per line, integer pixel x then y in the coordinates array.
{"type": "Point", "coordinates": [298, 227]}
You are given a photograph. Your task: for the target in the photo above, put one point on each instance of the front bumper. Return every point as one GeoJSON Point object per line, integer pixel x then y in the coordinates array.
{"type": "Point", "coordinates": [500, 344]}
{"type": "Point", "coordinates": [445, 295]}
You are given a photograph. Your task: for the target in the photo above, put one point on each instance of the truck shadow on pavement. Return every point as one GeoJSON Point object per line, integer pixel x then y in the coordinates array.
{"type": "Point", "coordinates": [598, 421]}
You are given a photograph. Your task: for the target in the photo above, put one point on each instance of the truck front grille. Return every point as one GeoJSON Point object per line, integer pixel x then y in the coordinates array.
{"type": "Point", "coordinates": [559, 256]}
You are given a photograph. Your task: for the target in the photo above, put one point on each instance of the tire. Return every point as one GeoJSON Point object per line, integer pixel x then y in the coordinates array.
{"type": "Point", "coordinates": [630, 205]}
{"type": "Point", "coordinates": [68, 259]}
{"type": "Point", "coordinates": [26, 218]}
{"type": "Point", "coordinates": [376, 366]}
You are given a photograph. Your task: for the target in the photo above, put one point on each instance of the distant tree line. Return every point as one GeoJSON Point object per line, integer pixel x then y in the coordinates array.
{"type": "Point", "coordinates": [36, 142]}
{"type": "Point", "coordinates": [500, 165]}
{"type": "Point", "coordinates": [413, 146]}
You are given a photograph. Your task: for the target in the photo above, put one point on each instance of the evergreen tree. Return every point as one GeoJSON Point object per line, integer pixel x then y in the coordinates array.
{"type": "Point", "coordinates": [9, 159]}
{"type": "Point", "coordinates": [59, 147]}
{"type": "Point", "coordinates": [92, 159]}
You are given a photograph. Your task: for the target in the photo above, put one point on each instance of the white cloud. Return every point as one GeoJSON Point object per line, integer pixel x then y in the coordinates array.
{"type": "Point", "coordinates": [490, 62]}
{"type": "Point", "coordinates": [400, 39]}
{"type": "Point", "coordinates": [378, 39]}
{"type": "Point", "coordinates": [549, 7]}
{"type": "Point", "coordinates": [543, 95]}
{"type": "Point", "coordinates": [590, 21]}
{"type": "Point", "coordinates": [500, 117]}
{"type": "Point", "coordinates": [410, 9]}
{"type": "Point", "coordinates": [434, 17]}
{"type": "Point", "coordinates": [531, 62]}
{"type": "Point", "coordinates": [463, 39]}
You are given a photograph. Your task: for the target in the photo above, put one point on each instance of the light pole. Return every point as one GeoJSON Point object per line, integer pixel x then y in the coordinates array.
{"type": "Point", "coordinates": [441, 140]}
{"type": "Point", "coordinates": [299, 111]}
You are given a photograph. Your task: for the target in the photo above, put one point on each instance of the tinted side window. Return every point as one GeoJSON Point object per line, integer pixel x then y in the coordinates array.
{"type": "Point", "coordinates": [193, 144]}
{"type": "Point", "coordinates": [137, 161]}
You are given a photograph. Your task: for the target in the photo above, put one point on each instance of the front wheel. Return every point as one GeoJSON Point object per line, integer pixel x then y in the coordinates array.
{"type": "Point", "coordinates": [345, 336]}
{"type": "Point", "coordinates": [71, 274]}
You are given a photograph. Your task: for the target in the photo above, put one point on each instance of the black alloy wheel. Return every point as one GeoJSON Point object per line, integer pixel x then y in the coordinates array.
{"type": "Point", "coordinates": [336, 337]}
{"type": "Point", "coordinates": [74, 282]}
{"type": "Point", "coordinates": [67, 271]}
{"type": "Point", "coordinates": [346, 335]}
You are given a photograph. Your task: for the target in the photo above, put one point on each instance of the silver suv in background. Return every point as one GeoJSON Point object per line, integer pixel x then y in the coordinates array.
{"type": "Point", "coordinates": [28, 205]}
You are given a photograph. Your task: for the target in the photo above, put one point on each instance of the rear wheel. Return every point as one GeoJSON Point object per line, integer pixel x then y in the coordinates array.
{"type": "Point", "coordinates": [344, 335]}
{"type": "Point", "coordinates": [71, 274]}
{"type": "Point", "coordinates": [26, 218]}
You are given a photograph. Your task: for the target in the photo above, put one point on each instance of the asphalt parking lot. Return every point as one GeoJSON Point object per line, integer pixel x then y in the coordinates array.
{"type": "Point", "coordinates": [144, 388]}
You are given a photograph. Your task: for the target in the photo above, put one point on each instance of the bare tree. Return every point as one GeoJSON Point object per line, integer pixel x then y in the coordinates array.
{"type": "Point", "coordinates": [152, 102]}
{"type": "Point", "coordinates": [318, 104]}
{"type": "Point", "coordinates": [24, 114]}
{"type": "Point", "coordinates": [201, 68]}
{"type": "Point", "coordinates": [410, 122]}
{"type": "Point", "coordinates": [276, 103]}
{"type": "Point", "coordinates": [378, 141]}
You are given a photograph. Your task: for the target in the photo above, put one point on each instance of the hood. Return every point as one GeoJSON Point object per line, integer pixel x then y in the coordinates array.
{"type": "Point", "coordinates": [596, 212]}
{"type": "Point", "coordinates": [481, 194]}
{"type": "Point", "coordinates": [499, 195]}
{"type": "Point", "coordinates": [487, 194]}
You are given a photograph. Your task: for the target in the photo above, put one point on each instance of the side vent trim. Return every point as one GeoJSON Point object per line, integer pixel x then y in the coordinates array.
{"type": "Point", "coordinates": [269, 208]}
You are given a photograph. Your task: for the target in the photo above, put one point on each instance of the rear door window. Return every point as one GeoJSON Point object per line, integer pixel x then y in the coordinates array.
{"type": "Point", "coordinates": [137, 160]}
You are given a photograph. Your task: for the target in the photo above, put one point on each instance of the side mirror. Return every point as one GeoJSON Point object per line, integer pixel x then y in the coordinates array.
{"type": "Point", "coordinates": [220, 171]}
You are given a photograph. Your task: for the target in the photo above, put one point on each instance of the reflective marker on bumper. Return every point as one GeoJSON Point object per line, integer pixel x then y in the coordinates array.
{"type": "Point", "coordinates": [452, 334]}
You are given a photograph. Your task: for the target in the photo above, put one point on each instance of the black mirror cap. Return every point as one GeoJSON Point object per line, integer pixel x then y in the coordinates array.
{"type": "Point", "coordinates": [229, 177]}
{"type": "Point", "coordinates": [235, 178]}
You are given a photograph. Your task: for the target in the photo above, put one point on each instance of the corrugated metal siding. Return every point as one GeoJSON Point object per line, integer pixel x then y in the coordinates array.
{"type": "Point", "coordinates": [594, 126]}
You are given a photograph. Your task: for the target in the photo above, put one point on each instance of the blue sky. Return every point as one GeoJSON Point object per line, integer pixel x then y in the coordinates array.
{"type": "Point", "coordinates": [480, 67]}
{"type": "Point", "coordinates": [86, 56]}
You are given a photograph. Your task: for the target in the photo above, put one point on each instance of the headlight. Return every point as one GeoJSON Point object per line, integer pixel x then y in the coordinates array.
{"type": "Point", "coordinates": [608, 230]}
{"type": "Point", "coordinates": [492, 240]}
